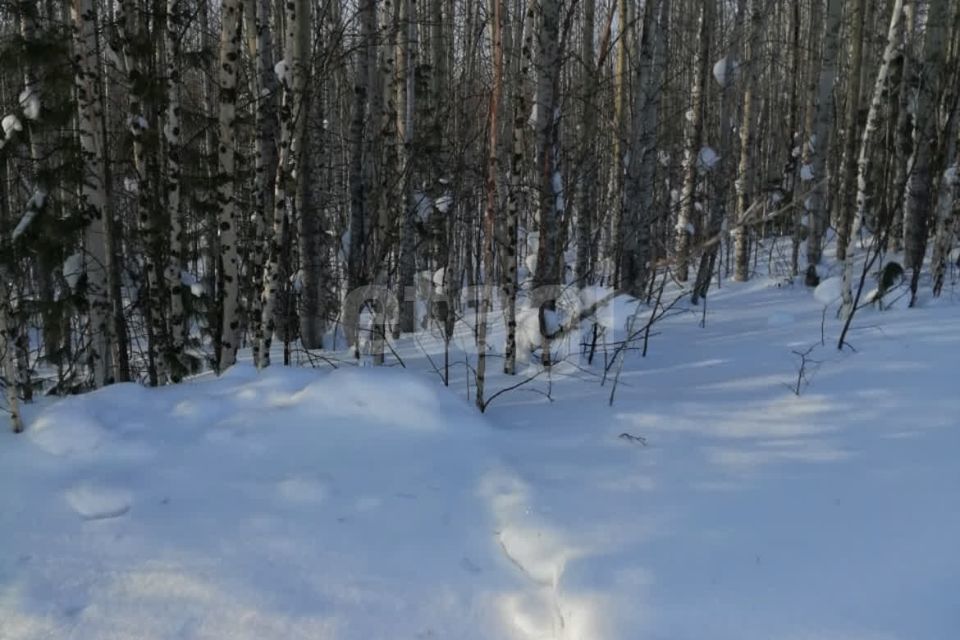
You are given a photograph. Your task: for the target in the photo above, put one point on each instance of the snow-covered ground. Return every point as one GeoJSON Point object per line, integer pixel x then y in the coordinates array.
{"type": "Point", "coordinates": [374, 503]}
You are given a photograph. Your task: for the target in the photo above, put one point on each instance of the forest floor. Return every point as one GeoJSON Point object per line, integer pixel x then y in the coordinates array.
{"type": "Point", "coordinates": [709, 502]}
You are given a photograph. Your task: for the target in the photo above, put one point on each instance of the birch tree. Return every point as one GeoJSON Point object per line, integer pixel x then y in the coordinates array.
{"type": "Point", "coordinates": [292, 119]}
{"type": "Point", "coordinates": [693, 141]}
{"type": "Point", "coordinates": [226, 178]}
{"type": "Point", "coordinates": [817, 145]}
{"type": "Point", "coordinates": [172, 129]}
{"type": "Point", "coordinates": [745, 170]}
{"type": "Point", "coordinates": [892, 49]}
{"type": "Point", "coordinates": [97, 253]}
{"type": "Point", "coordinates": [928, 144]}
{"type": "Point", "coordinates": [848, 168]}
{"type": "Point", "coordinates": [265, 163]}
{"type": "Point", "coordinates": [549, 269]}
{"type": "Point", "coordinates": [490, 213]}
{"type": "Point", "coordinates": [641, 164]}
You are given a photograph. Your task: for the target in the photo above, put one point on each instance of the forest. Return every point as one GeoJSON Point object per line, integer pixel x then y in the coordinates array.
{"type": "Point", "coordinates": [184, 179]}
{"type": "Point", "coordinates": [479, 319]}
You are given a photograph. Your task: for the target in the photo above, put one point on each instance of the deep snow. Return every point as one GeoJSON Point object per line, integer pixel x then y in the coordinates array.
{"type": "Point", "coordinates": [370, 503]}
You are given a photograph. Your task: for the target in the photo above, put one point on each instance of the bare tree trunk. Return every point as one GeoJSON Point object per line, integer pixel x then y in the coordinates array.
{"type": "Point", "coordinates": [816, 150]}
{"type": "Point", "coordinates": [848, 171]}
{"type": "Point", "coordinates": [409, 203]}
{"type": "Point", "coordinates": [8, 333]}
{"type": "Point", "coordinates": [719, 207]}
{"type": "Point", "coordinates": [316, 269]}
{"type": "Point", "coordinates": [490, 213]}
{"type": "Point", "coordinates": [928, 145]}
{"type": "Point", "coordinates": [794, 138]}
{"type": "Point", "coordinates": [694, 132]}
{"type": "Point", "coordinates": [642, 162]}
{"type": "Point", "coordinates": [948, 207]}
{"type": "Point", "coordinates": [903, 133]}
{"type": "Point", "coordinates": [139, 118]}
{"type": "Point", "coordinates": [549, 270]}
{"type": "Point", "coordinates": [292, 118]}
{"type": "Point", "coordinates": [891, 51]}
{"type": "Point", "coordinates": [98, 255]}
{"type": "Point", "coordinates": [745, 170]}
{"type": "Point", "coordinates": [206, 236]}
{"type": "Point", "coordinates": [620, 87]}
{"type": "Point", "coordinates": [508, 240]}
{"type": "Point", "coordinates": [359, 187]}
{"type": "Point", "coordinates": [226, 189]}
{"type": "Point", "coordinates": [265, 163]}
{"type": "Point", "coordinates": [587, 202]}
{"type": "Point", "coordinates": [178, 321]}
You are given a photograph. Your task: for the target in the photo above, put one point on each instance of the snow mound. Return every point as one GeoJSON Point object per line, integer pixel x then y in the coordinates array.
{"type": "Point", "coordinates": [306, 504]}
{"type": "Point", "coordinates": [375, 398]}
{"type": "Point", "coordinates": [62, 432]}
{"type": "Point", "coordinates": [829, 290]}
{"type": "Point", "coordinates": [97, 502]}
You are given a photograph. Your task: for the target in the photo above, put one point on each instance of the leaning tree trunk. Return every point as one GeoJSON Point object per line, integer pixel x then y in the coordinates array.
{"type": "Point", "coordinates": [891, 51]}
{"type": "Point", "coordinates": [226, 178]}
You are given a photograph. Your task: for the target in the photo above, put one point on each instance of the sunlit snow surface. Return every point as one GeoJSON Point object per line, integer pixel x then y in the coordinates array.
{"type": "Point", "coordinates": [364, 504]}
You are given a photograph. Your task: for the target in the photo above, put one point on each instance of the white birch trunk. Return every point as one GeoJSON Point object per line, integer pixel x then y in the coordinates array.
{"type": "Point", "coordinates": [928, 144]}
{"type": "Point", "coordinates": [292, 119]}
{"type": "Point", "coordinates": [694, 129]}
{"type": "Point", "coordinates": [745, 169]}
{"type": "Point", "coordinates": [265, 162]}
{"type": "Point", "coordinates": [409, 204]}
{"type": "Point", "coordinates": [892, 49]}
{"type": "Point", "coordinates": [641, 165]}
{"type": "Point", "coordinates": [178, 321]}
{"type": "Point", "coordinates": [92, 196]}
{"type": "Point", "coordinates": [946, 225]}
{"type": "Point", "coordinates": [817, 147]}
{"type": "Point", "coordinates": [226, 189]}
{"type": "Point", "coordinates": [8, 334]}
